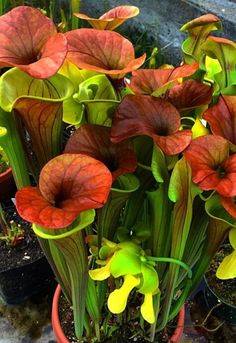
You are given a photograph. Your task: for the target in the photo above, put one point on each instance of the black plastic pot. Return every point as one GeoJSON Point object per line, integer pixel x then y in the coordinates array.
{"type": "Point", "coordinates": [21, 283]}
{"type": "Point", "coordinates": [225, 311]}
{"type": "Point", "coordinates": [7, 185]}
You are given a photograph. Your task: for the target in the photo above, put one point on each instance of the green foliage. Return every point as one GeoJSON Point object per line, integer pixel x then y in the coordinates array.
{"type": "Point", "coordinates": [11, 232]}
{"type": "Point", "coordinates": [4, 164]}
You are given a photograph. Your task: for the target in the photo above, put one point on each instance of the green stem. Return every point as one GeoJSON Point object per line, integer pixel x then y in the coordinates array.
{"type": "Point", "coordinates": [74, 251]}
{"type": "Point", "coordinates": [188, 118]}
{"type": "Point", "coordinates": [157, 301]}
{"type": "Point", "coordinates": [160, 215]}
{"type": "Point", "coordinates": [181, 300]}
{"type": "Point", "coordinates": [47, 7]}
{"type": "Point", "coordinates": [97, 331]}
{"type": "Point", "coordinates": [109, 215]}
{"type": "Point", "coordinates": [206, 198]}
{"type": "Point", "coordinates": [217, 232]}
{"type": "Point", "coordinates": [75, 6]}
{"type": "Point", "coordinates": [87, 325]}
{"type": "Point", "coordinates": [172, 260]}
{"type": "Point", "coordinates": [3, 223]}
{"type": "Point", "coordinates": [92, 305]}
{"type": "Point", "coordinates": [58, 265]}
{"type": "Point", "coordinates": [144, 167]}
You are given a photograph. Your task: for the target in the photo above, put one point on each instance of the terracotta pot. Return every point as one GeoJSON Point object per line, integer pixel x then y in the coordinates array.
{"type": "Point", "coordinates": [177, 335]}
{"type": "Point", "coordinates": [7, 185]}
{"type": "Point", "coordinates": [56, 325]}
{"type": "Point", "coordinates": [61, 338]}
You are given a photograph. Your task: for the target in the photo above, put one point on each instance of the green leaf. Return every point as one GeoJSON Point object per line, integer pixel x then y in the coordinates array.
{"type": "Point", "coordinates": [84, 219]}
{"type": "Point", "coordinates": [144, 156]}
{"type": "Point", "coordinates": [225, 52]}
{"type": "Point", "coordinates": [11, 143]}
{"type": "Point", "coordinates": [58, 265]}
{"type": "Point", "coordinates": [198, 30]}
{"type": "Point", "coordinates": [74, 74]}
{"type": "Point", "coordinates": [38, 104]}
{"type": "Point", "coordinates": [215, 210]}
{"type": "Point", "coordinates": [232, 238]}
{"type": "Point", "coordinates": [100, 112]}
{"type": "Point", "coordinates": [73, 110]}
{"type": "Point", "coordinates": [160, 209]}
{"type": "Point", "coordinates": [74, 251]}
{"type": "Point", "coordinates": [182, 192]}
{"type": "Point", "coordinates": [126, 183]}
{"type": "Point", "coordinates": [180, 182]}
{"type": "Point", "coordinates": [99, 98]}
{"type": "Point", "coordinates": [92, 304]}
{"type": "Point", "coordinates": [216, 233]}
{"type": "Point", "coordinates": [97, 87]}
{"type": "Point", "coordinates": [109, 215]}
{"type": "Point", "coordinates": [163, 89]}
{"type": "Point", "coordinates": [159, 168]}
{"type": "Point", "coordinates": [197, 235]}
{"type": "Point", "coordinates": [212, 68]}
{"type": "Point", "coordinates": [15, 84]}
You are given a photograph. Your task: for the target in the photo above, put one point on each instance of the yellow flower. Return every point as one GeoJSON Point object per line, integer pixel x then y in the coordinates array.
{"type": "Point", "coordinates": [102, 273]}
{"type": "Point", "coordinates": [117, 300]}
{"type": "Point", "coordinates": [227, 268]}
{"type": "Point", "coordinates": [147, 309]}
{"type": "Point", "coordinates": [127, 260]}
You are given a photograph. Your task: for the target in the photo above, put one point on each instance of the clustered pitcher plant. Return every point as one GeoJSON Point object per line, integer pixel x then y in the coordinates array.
{"type": "Point", "coordinates": [132, 207]}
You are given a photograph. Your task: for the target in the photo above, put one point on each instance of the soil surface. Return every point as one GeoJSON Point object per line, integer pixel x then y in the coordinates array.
{"type": "Point", "coordinates": [126, 333]}
{"type": "Point", "coordinates": [224, 289]}
{"type": "Point", "coordinates": [25, 252]}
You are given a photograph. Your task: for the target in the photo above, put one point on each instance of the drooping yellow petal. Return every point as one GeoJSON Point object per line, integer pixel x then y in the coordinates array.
{"type": "Point", "coordinates": [100, 274]}
{"type": "Point", "coordinates": [227, 268]}
{"type": "Point", "coordinates": [117, 300]}
{"type": "Point", "coordinates": [147, 309]}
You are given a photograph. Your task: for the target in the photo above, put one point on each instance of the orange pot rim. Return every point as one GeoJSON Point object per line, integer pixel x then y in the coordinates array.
{"type": "Point", "coordinates": [6, 174]}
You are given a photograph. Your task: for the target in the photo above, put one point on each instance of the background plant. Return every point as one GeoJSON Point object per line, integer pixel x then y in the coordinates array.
{"type": "Point", "coordinates": [11, 232]}
{"type": "Point", "coordinates": [4, 165]}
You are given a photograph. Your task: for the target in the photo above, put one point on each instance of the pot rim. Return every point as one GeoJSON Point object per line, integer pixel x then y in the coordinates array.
{"type": "Point", "coordinates": [56, 325]}
{"type": "Point", "coordinates": [16, 268]}
{"type": "Point", "coordinates": [216, 295]}
{"type": "Point", "coordinates": [6, 174]}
